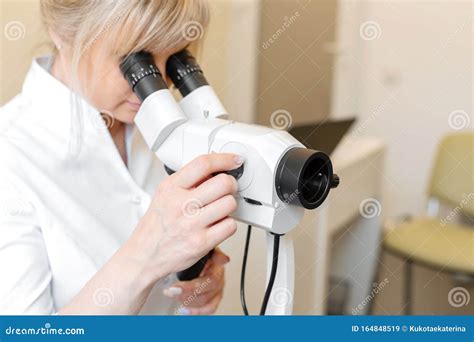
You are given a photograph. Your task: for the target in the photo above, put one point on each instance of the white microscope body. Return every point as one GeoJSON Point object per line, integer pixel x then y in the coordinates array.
{"type": "Point", "coordinates": [279, 177]}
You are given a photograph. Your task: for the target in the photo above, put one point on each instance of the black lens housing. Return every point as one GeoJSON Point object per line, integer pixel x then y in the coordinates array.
{"type": "Point", "coordinates": [304, 177]}
{"type": "Point", "coordinates": [142, 75]}
{"type": "Point", "coordinates": [185, 72]}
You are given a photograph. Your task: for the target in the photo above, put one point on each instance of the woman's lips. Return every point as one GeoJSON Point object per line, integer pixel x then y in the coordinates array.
{"type": "Point", "coordinates": [135, 106]}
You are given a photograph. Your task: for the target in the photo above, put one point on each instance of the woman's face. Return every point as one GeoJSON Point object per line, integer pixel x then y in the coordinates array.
{"type": "Point", "coordinates": [109, 92]}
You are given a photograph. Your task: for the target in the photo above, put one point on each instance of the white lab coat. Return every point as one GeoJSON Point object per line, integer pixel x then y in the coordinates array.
{"type": "Point", "coordinates": [63, 217]}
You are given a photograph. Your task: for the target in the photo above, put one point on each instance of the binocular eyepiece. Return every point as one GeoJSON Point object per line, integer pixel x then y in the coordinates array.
{"type": "Point", "coordinates": [303, 176]}
{"type": "Point", "coordinates": [185, 72]}
{"type": "Point", "coordinates": [144, 77]}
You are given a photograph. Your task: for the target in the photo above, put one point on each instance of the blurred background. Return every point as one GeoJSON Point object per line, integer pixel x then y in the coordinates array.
{"type": "Point", "coordinates": [396, 78]}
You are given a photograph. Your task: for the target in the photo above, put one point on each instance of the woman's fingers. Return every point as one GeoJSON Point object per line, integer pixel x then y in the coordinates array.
{"type": "Point", "coordinates": [219, 258]}
{"type": "Point", "coordinates": [201, 296]}
{"type": "Point", "coordinates": [209, 308]}
{"type": "Point", "coordinates": [219, 232]}
{"type": "Point", "coordinates": [183, 290]}
{"type": "Point", "coordinates": [203, 166]}
{"type": "Point", "coordinates": [201, 300]}
{"type": "Point", "coordinates": [217, 210]}
{"type": "Point", "coordinates": [210, 281]}
{"type": "Point", "coordinates": [217, 261]}
{"type": "Point", "coordinates": [215, 188]}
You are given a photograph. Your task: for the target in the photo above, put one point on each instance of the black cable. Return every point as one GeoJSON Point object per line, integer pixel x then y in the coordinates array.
{"type": "Point", "coordinates": [271, 281]}
{"type": "Point", "coordinates": [276, 249]}
{"type": "Point", "coordinates": [242, 274]}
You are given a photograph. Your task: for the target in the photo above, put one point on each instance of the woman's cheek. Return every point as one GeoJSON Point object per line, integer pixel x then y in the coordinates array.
{"type": "Point", "coordinates": [124, 112]}
{"type": "Point", "coordinates": [126, 115]}
{"type": "Point", "coordinates": [114, 104]}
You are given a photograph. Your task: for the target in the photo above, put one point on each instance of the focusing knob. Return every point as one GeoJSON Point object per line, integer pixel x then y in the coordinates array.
{"type": "Point", "coordinates": [334, 181]}
{"type": "Point", "coordinates": [236, 173]}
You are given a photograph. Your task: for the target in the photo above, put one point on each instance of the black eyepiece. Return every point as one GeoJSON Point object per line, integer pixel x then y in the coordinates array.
{"type": "Point", "coordinates": [185, 72]}
{"type": "Point", "coordinates": [304, 177]}
{"type": "Point", "coordinates": [142, 75]}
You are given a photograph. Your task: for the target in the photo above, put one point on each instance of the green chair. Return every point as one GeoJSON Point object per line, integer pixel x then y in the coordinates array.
{"type": "Point", "coordinates": [436, 241]}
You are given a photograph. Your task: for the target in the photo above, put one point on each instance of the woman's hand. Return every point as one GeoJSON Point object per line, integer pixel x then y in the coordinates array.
{"type": "Point", "coordinates": [188, 216]}
{"type": "Point", "coordinates": [201, 296]}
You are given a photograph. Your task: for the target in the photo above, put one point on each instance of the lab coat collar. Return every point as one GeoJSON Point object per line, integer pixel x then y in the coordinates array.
{"type": "Point", "coordinates": [58, 102]}
{"type": "Point", "coordinates": [51, 114]}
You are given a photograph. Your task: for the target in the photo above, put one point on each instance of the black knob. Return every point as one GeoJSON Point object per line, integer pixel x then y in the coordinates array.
{"type": "Point", "coordinates": [334, 181]}
{"type": "Point", "coordinates": [236, 173]}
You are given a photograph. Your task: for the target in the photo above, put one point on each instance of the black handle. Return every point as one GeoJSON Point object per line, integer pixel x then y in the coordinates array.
{"type": "Point", "coordinates": [195, 270]}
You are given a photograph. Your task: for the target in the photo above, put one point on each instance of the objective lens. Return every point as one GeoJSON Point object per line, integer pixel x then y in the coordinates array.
{"type": "Point", "coordinates": [303, 177]}
{"type": "Point", "coordinates": [314, 181]}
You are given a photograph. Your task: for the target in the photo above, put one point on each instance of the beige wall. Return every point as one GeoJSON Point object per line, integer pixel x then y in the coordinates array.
{"type": "Point", "coordinates": [412, 70]}
{"type": "Point", "coordinates": [232, 75]}
{"type": "Point", "coordinates": [229, 55]}
{"type": "Point", "coordinates": [22, 38]}
{"type": "Point", "coordinates": [228, 59]}
{"type": "Point", "coordinates": [295, 66]}
{"type": "Point", "coordinates": [365, 73]}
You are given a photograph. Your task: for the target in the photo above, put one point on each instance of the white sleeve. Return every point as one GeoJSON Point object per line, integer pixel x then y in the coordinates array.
{"type": "Point", "coordinates": [25, 275]}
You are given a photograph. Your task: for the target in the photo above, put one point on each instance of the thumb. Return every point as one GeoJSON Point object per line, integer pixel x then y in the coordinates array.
{"type": "Point", "coordinates": [219, 258]}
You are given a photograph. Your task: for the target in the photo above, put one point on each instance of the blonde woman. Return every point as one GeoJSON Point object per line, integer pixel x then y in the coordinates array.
{"type": "Point", "coordinates": [90, 223]}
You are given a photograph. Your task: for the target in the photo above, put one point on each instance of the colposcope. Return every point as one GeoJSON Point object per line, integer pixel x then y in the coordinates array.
{"type": "Point", "coordinates": [278, 180]}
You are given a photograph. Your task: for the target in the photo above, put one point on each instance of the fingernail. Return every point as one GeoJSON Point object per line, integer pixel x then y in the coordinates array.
{"type": "Point", "coordinates": [184, 311]}
{"type": "Point", "coordinates": [239, 160]}
{"type": "Point", "coordinates": [172, 291]}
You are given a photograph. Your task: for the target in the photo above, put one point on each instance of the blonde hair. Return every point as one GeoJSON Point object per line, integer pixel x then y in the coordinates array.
{"type": "Point", "coordinates": [123, 27]}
